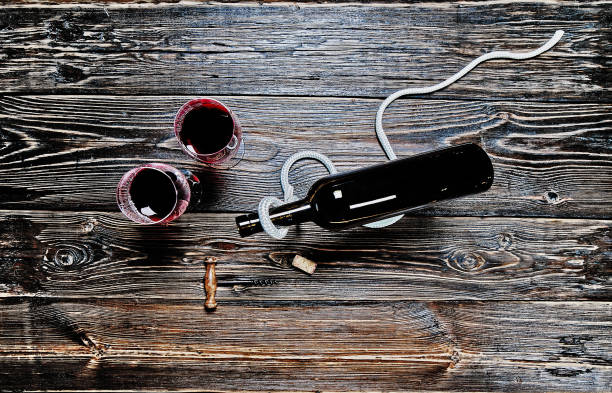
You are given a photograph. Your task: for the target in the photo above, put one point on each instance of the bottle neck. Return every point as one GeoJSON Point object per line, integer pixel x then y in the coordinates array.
{"type": "Point", "coordinates": [290, 214]}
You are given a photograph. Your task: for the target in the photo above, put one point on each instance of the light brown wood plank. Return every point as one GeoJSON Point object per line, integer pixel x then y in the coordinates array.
{"type": "Point", "coordinates": [69, 152]}
{"type": "Point", "coordinates": [498, 346]}
{"type": "Point", "coordinates": [308, 49]}
{"type": "Point", "coordinates": [104, 255]}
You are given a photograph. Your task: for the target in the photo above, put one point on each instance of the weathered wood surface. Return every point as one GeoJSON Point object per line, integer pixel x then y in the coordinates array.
{"type": "Point", "coordinates": [69, 152]}
{"type": "Point", "coordinates": [83, 255]}
{"type": "Point", "coordinates": [308, 49]}
{"type": "Point", "coordinates": [130, 344]}
{"type": "Point", "coordinates": [445, 300]}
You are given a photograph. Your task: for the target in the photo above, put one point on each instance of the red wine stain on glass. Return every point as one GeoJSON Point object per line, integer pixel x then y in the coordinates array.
{"type": "Point", "coordinates": [209, 132]}
{"type": "Point", "coordinates": [156, 193]}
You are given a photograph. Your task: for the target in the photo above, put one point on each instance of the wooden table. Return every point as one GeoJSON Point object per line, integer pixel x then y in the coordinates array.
{"type": "Point", "coordinates": [502, 291]}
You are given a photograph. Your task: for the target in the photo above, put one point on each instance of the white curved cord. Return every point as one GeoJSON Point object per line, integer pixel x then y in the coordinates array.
{"type": "Point", "coordinates": [268, 202]}
{"type": "Point", "coordinates": [380, 132]}
{"type": "Point", "coordinates": [264, 217]}
{"type": "Point", "coordinates": [287, 187]}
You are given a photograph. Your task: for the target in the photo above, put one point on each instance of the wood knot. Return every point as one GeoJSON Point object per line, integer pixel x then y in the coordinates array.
{"type": "Point", "coordinates": [552, 197]}
{"type": "Point", "coordinates": [68, 257]}
{"type": "Point", "coordinates": [575, 346]}
{"type": "Point", "coordinates": [224, 246]}
{"type": "Point", "coordinates": [65, 257]}
{"type": "Point", "coordinates": [89, 225]}
{"type": "Point", "coordinates": [567, 372]}
{"type": "Point", "coordinates": [575, 340]}
{"type": "Point", "coordinates": [467, 262]}
{"type": "Point", "coordinates": [8, 21]}
{"type": "Point", "coordinates": [502, 115]}
{"type": "Point", "coordinates": [68, 74]}
{"type": "Point", "coordinates": [281, 258]}
{"type": "Point", "coordinates": [455, 358]}
{"type": "Point", "coordinates": [64, 30]}
{"type": "Point", "coordinates": [504, 240]}
{"type": "Point", "coordinates": [470, 262]}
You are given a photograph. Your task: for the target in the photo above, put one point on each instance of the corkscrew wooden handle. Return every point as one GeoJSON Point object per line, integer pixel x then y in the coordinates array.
{"type": "Point", "coordinates": [210, 284]}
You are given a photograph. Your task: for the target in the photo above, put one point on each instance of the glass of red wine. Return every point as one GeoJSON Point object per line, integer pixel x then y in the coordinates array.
{"type": "Point", "coordinates": [156, 193]}
{"type": "Point", "coordinates": [209, 132]}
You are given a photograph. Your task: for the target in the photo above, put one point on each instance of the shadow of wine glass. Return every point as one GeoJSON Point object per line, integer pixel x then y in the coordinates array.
{"type": "Point", "coordinates": [159, 245]}
{"type": "Point", "coordinates": [213, 185]}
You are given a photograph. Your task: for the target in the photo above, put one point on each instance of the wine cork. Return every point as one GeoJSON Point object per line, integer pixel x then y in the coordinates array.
{"type": "Point", "coordinates": [305, 265]}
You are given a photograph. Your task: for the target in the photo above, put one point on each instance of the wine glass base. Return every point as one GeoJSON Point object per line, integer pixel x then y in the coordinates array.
{"type": "Point", "coordinates": [195, 185]}
{"type": "Point", "coordinates": [233, 161]}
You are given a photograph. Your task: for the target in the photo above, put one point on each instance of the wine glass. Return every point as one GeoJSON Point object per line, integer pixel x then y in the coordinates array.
{"type": "Point", "coordinates": [209, 132]}
{"type": "Point", "coordinates": [156, 193]}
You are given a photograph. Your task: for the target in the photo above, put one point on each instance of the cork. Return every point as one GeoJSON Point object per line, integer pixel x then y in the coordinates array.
{"type": "Point", "coordinates": [305, 265]}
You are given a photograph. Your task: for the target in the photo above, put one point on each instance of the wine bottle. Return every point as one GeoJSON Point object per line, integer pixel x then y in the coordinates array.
{"type": "Point", "coordinates": [373, 193]}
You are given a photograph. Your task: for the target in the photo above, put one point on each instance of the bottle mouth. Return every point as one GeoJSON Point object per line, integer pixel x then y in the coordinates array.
{"type": "Point", "coordinates": [247, 224]}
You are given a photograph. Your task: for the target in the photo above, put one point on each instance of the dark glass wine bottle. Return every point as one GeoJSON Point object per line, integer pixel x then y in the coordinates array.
{"type": "Point", "coordinates": [371, 194]}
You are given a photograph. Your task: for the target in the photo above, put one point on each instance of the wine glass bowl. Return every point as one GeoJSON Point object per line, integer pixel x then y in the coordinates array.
{"type": "Point", "coordinates": [156, 193]}
{"type": "Point", "coordinates": [209, 132]}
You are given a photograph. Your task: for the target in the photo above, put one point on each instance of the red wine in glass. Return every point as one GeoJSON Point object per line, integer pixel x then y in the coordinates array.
{"type": "Point", "coordinates": [156, 193]}
{"type": "Point", "coordinates": [209, 132]}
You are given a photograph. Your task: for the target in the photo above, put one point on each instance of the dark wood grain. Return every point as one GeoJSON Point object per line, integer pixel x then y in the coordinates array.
{"type": "Point", "coordinates": [83, 255]}
{"type": "Point", "coordinates": [69, 152]}
{"type": "Point", "coordinates": [445, 300]}
{"type": "Point", "coordinates": [129, 344]}
{"type": "Point", "coordinates": [321, 49]}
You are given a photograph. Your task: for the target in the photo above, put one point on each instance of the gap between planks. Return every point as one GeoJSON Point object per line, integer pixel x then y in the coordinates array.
{"type": "Point", "coordinates": [320, 97]}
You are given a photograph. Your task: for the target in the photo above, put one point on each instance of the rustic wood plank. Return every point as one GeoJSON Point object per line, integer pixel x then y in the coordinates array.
{"type": "Point", "coordinates": [69, 152]}
{"type": "Point", "coordinates": [321, 49]}
{"type": "Point", "coordinates": [542, 346]}
{"type": "Point", "coordinates": [157, 2]}
{"type": "Point", "coordinates": [90, 254]}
